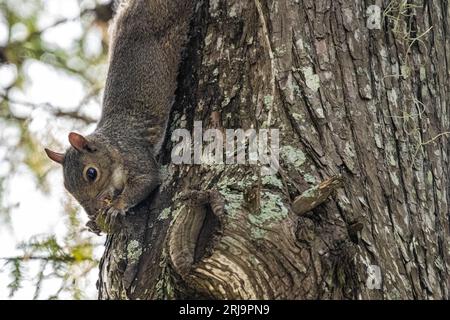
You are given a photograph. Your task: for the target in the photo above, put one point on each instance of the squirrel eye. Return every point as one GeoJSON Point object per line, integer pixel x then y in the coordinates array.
{"type": "Point", "coordinates": [91, 174]}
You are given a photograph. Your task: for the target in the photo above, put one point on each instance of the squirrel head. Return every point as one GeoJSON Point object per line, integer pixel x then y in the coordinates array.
{"type": "Point", "coordinates": [89, 174]}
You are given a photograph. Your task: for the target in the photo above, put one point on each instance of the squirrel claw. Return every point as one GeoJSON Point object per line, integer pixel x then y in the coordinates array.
{"type": "Point", "coordinates": [114, 212]}
{"type": "Point", "coordinates": [113, 217]}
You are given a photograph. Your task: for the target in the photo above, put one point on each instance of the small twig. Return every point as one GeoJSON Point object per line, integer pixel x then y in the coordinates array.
{"type": "Point", "coordinates": [57, 112]}
{"type": "Point", "coordinates": [55, 24]}
{"type": "Point", "coordinates": [41, 258]}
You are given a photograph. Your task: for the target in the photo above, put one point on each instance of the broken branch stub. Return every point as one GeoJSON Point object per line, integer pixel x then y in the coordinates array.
{"type": "Point", "coordinates": [316, 195]}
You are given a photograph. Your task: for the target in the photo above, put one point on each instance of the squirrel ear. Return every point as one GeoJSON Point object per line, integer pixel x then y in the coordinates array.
{"type": "Point", "coordinates": [78, 141]}
{"type": "Point", "coordinates": [55, 156]}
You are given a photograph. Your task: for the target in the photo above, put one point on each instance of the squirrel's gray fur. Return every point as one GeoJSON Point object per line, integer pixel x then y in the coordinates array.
{"type": "Point", "coordinates": [145, 52]}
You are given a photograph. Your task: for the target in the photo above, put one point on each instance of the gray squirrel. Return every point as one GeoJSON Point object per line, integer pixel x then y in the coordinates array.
{"type": "Point", "coordinates": [114, 168]}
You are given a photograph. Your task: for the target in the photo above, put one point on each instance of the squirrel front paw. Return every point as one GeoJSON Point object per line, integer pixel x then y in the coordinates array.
{"type": "Point", "coordinates": [109, 217]}
{"type": "Point", "coordinates": [92, 226]}
{"type": "Point", "coordinates": [117, 208]}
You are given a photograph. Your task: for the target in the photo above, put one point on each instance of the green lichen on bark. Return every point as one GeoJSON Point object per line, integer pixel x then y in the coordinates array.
{"type": "Point", "coordinates": [165, 214]}
{"type": "Point", "coordinates": [273, 210]}
{"type": "Point", "coordinates": [312, 80]}
{"type": "Point", "coordinates": [272, 181]}
{"type": "Point", "coordinates": [233, 201]}
{"type": "Point", "coordinates": [293, 156]}
{"type": "Point", "coordinates": [134, 251]}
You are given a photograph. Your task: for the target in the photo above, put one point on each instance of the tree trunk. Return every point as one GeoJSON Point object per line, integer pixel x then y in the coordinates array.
{"type": "Point", "coordinates": [359, 208]}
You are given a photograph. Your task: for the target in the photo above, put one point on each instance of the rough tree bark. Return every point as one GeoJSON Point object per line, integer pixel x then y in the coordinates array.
{"type": "Point", "coordinates": [363, 109]}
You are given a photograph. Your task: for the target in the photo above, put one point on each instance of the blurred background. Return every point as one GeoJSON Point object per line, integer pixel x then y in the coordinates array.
{"type": "Point", "coordinates": [52, 69]}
